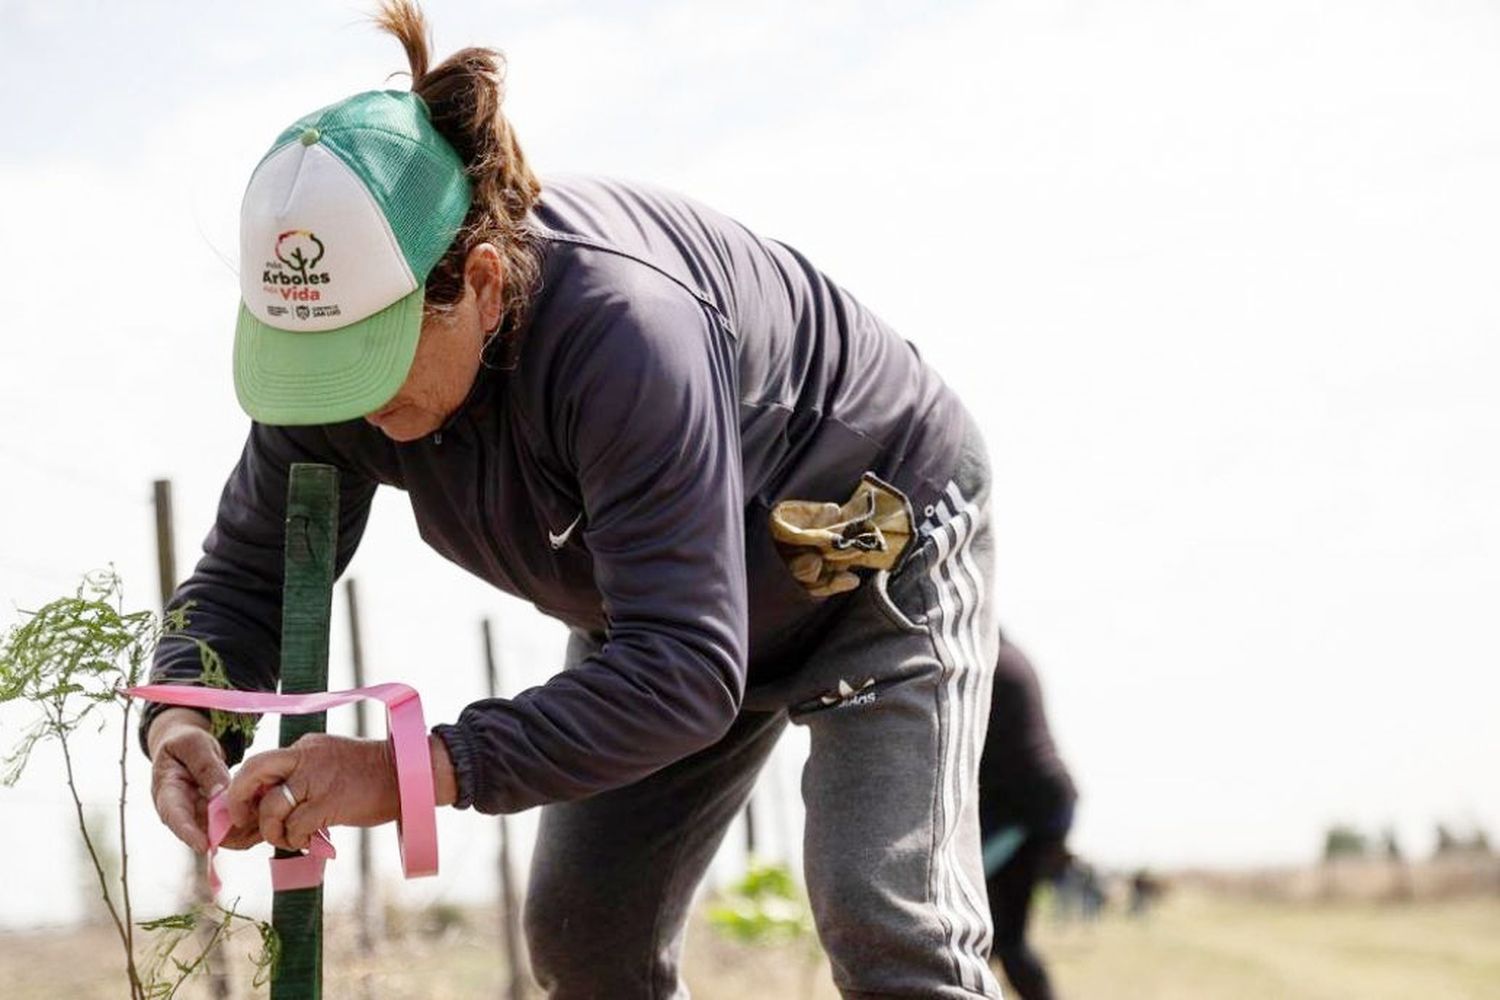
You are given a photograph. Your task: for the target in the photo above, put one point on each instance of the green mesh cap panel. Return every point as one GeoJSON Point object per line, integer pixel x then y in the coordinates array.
{"type": "Point", "coordinates": [386, 137]}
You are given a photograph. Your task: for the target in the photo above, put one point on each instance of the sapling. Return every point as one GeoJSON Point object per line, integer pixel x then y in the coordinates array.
{"type": "Point", "coordinates": [765, 908]}
{"type": "Point", "coordinates": [70, 661]}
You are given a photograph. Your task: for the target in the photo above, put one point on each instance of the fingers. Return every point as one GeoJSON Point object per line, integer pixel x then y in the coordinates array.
{"type": "Point", "coordinates": [348, 781]}
{"type": "Point", "coordinates": [279, 824]}
{"type": "Point", "coordinates": [259, 810]}
{"type": "Point", "coordinates": [300, 824]}
{"type": "Point", "coordinates": [274, 808]}
{"type": "Point", "coordinates": [255, 776]}
{"type": "Point", "coordinates": [199, 754]}
{"type": "Point", "coordinates": [287, 826]}
{"type": "Point", "coordinates": [203, 757]}
{"type": "Point", "coordinates": [176, 802]}
{"type": "Point", "coordinates": [187, 768]}
{"type": "Point", "coordinates": [238, 838]}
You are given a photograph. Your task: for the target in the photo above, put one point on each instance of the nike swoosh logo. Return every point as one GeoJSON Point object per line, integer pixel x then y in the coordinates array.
{"type": "Point", "coordinates": [558, 541]}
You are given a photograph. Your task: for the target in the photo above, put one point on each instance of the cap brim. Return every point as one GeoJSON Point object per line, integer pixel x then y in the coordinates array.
{"type": "Point", "coordinates": [326, 377]}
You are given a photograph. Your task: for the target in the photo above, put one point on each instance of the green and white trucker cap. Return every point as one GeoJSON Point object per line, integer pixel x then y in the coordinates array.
{"type": "Point", "coordinates": [342, 221]}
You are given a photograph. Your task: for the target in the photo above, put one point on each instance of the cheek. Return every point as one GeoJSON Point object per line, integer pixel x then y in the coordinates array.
{"type": "Point", "coordinates": [446, 361]}
{"type": "Point", "coordinates": [417, 386]}
{"type": "Point", "coordinates": [423, 393]}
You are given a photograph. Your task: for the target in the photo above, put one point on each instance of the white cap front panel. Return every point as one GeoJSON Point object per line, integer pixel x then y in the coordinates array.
{"type": "Point", "coordinates": [316, 252]}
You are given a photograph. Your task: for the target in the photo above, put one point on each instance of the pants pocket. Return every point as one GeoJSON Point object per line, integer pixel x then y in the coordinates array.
{"type": "Point", "coordinates": [823, 543]}
{"type": "Point", "coordinates": [880, 596]}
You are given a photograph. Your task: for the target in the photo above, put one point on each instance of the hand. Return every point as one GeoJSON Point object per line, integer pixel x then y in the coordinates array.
{"type": "Point", "coordinates": [334, 780]}
{"type": "Point", "coordinates": [187, 769]}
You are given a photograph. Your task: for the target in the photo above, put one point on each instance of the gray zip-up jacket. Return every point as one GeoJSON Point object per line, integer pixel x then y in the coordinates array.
{"type": "Point", "coordinates": [677, 376]}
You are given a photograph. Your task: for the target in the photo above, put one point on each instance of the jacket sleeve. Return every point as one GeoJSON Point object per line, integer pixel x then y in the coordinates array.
{"type": "Point", "coordinates": [645, 410]}
{"type": "Point", "coordinates": [233, 597]}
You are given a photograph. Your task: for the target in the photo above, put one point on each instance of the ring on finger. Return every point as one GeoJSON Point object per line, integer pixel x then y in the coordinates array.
{"type": "Point", "coordinates": [290, 798]}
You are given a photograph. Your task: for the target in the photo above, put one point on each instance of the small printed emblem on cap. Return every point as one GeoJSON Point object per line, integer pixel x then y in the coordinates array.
{"type": "Point", "coordinates": [292, 275]}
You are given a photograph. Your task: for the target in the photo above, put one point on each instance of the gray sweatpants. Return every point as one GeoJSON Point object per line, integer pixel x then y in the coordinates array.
{"type": "Point", "coordinates": [891, 846]}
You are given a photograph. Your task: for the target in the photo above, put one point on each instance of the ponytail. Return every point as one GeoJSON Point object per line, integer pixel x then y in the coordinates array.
{"type": "Point", "coordinates": [463, 94]}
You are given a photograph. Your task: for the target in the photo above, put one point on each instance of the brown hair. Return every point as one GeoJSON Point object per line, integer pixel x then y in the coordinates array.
{"type": "Point", "coordinates": [463, 93]}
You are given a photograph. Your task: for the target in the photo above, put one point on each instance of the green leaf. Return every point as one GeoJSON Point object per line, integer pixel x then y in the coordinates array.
{"type": "Point", "coordinates": [762, 907]}
{"type": "Point", "coordinates": [176, 921]}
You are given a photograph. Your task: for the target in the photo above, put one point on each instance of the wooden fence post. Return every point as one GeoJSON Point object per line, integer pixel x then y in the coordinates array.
{"type": "Point", "coordinates": [366, 902]}
{"type": "Point", "coordinates": [510, 903]}
{"type": "Point", "coordinates": [166, 545]}
{"type": "Point", "coordinates": [166, 578]}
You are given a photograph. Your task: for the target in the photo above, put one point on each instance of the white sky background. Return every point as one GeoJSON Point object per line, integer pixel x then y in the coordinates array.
{"type": "Point", "coordinates": [1218, 279]}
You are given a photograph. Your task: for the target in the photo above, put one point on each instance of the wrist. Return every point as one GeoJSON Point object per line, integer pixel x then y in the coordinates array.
{"type": "Point", "coordinates": [444, 779]}
{"type": "Point", "coordinates": [169, 720]}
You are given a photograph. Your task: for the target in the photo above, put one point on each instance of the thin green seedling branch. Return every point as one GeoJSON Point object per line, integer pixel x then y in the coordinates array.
{"type": "Point", "coordinates": [54, 656]}
{"type": "Point", "coordinates": [70, 659]}
{"type": "Point", "coordinates": [173, 930]}
{"type": "Point", "coordinates": [122, 927]}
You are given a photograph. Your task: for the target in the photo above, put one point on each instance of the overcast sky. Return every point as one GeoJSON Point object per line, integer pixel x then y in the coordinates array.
{"type": "Point", "coordinates": [1218, 279]}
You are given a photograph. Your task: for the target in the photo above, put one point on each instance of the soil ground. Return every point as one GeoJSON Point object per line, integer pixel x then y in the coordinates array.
{"type": "Point", "coordinates": [1196, 945]}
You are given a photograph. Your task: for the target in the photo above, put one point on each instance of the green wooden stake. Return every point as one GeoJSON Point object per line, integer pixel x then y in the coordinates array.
{"type": "Point", "coordinates": [312, 505]}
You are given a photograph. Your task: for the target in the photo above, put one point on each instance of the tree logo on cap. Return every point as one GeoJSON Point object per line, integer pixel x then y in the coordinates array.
{"type": "Point", "coordinates": [300, 250]}
{"type": "Point", "coordinates": [291, 274]}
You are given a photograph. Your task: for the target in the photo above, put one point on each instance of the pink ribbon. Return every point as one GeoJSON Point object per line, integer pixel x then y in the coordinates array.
{"type": "Point", "coordinates": [417, 825]}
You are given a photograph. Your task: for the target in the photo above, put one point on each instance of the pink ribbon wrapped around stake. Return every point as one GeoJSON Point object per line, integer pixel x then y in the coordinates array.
{"type": "Point", "coordinates": [417, 825]}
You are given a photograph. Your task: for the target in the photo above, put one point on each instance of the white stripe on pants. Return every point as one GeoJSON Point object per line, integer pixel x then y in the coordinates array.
{"type": "Point", "coordinates": [960, 593]}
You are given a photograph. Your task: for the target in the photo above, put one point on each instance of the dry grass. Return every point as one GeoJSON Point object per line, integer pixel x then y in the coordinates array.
{"type": "Point", "coordinates": [1200, 944]}
{"type": "Point", "coordinates": [1208, 947]}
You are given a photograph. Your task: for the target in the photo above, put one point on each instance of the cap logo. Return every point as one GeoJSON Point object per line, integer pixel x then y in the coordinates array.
{"type": "Point", "coordinates": [292, 276]}
{"type": "Point", "coordinates": [299, 249]}
{"type": "Point", "coordinates": [297, 252]}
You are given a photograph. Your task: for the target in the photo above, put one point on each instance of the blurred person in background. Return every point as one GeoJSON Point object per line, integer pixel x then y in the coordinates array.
{"type": "Point", "coordinates": [1026, 800]}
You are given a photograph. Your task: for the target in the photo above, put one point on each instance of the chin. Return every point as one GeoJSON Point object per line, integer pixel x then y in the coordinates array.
{"type": "Point", "coordinates": [405, 425]}
{"type": "Point", "coordinates": [404, 433]}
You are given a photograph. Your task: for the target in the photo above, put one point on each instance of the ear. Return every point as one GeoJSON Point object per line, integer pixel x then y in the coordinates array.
{"type": "Point", "coordinates": [484, 276]}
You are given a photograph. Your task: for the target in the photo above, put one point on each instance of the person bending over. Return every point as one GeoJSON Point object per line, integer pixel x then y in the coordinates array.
{"type": "Point", "coordinates": [750, 500]}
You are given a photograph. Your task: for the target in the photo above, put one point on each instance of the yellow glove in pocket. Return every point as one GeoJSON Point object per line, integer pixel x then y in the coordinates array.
{"type": "Point", "coordinates": [823, 543]}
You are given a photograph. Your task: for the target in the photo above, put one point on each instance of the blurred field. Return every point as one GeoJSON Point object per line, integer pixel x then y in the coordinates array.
{"type": "Point", "coordinates": [1207, 947]}
{"type": "Point", "coordinates": [1203, 943]}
